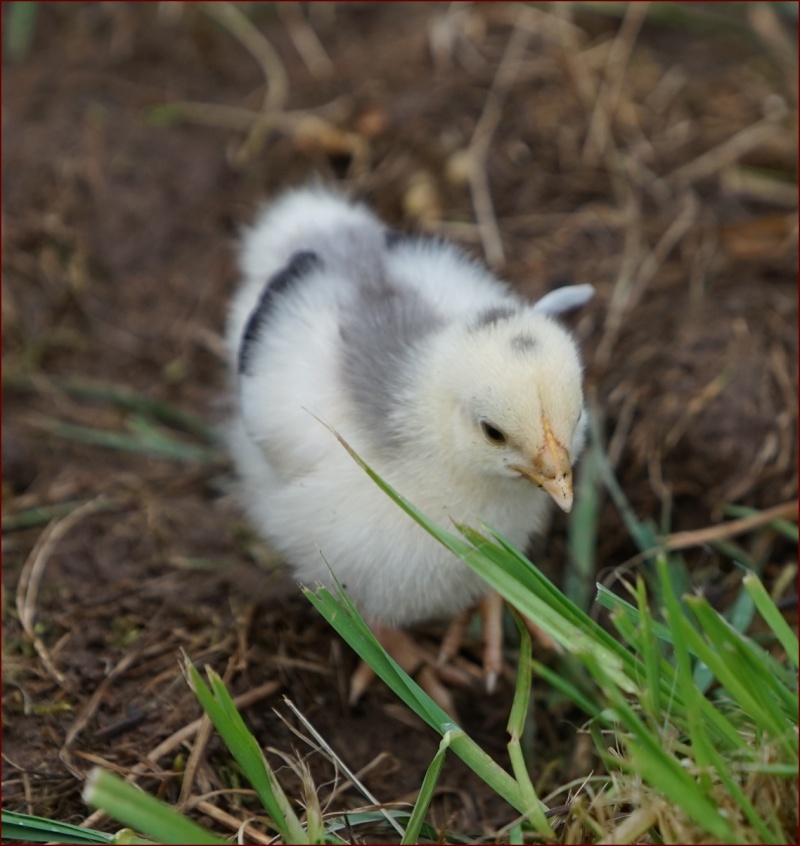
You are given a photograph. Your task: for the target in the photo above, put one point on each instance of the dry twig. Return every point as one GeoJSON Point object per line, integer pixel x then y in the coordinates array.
{"type": "Point", "coordinates": [324, 745]}
{"type": "Point", "coordinates": [33, 572]}
{"type": "Point", "coordinates": [188, 731]}
{"type": "Point", "coordinates": [731, 150]}
{"type": "Point", "coordinates": [264, 53]}
{"type": "Point", "coordinates": [605, 107]}
{"type": "Point", "coordinates": [482, 138]}
{"type": "Point", "coordinates": [305, 40]}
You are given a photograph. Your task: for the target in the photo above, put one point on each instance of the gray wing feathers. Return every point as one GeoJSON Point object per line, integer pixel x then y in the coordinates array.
{"type": "Point", "coordinates": [379, 332]}
{"type": "Point", "coordinates": [381, 322]}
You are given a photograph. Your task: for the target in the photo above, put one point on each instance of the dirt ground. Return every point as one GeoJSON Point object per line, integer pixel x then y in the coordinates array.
{"type": "Point", "coordinates": [655, 158]}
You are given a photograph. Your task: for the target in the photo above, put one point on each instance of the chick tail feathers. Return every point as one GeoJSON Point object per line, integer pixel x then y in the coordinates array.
{"type": "Point", "coordinates": [297, 220]}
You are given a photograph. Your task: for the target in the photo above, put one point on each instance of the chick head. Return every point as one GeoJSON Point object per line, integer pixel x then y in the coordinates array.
{"type": "Point", "coordinates": [509, 390]}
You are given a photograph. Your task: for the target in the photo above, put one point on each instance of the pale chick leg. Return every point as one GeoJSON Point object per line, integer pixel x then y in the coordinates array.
{"type": "Point", "coordinates": [413, 659]}
{"type": "Point", "coordinates": [490, 609]}
{"type": "Point", "coordinates": [430, 673]}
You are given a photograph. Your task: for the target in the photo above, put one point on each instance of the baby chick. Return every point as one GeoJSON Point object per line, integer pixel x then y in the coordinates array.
{"type": "Point", "coordinates": [462, 396]}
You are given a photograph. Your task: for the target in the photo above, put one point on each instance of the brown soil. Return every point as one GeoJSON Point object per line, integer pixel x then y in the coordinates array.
{"type": "Point", "coordinates": [119, 224]}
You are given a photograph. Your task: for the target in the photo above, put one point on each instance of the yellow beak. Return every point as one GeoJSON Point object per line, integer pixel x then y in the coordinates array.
{"type": "Point", "coordinates": [551, 469]}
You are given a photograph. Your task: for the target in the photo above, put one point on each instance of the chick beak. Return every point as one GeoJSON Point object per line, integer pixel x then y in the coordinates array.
{"type": "Point", "coordinates": [551, 469]}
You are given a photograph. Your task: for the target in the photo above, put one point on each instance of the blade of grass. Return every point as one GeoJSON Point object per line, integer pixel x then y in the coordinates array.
{"type": "Point", "coordinates": [19, 28]}
{"type": "Point", "coordinates": [42, 514]}
{"type": "Point", "coordinates": [643, 535]}
{"type": "Point", "coordinates": [612, 602]}
{"type": "Point", "coordinates": [32, 829]}
{"type": "Point", "coordinates": [516, 725]}
{"type": "Point", "coordinates": [569, 690]}
{"type": "Point", "coordinates": [426, 791]}
{"type": "Point", "coordinates": [139, 810]}
{"type": "Point", "coordinates": [773, 617]}
{"type": "Point", "coordinates": [525, 588]}
{"type": "Point", "coordinates": [701, 743]}
{"type": "Point", "coordinates": [131, 401]}
{"type": "Point", "coordinates": [219, 706]}
{"type": "Point", "coordinates": [652, 761]}
{"type": "Point", "coordinates": [343, 616]}
{"type": "Point", "coordinates": [582, 534]}
{"type": "Point", "coordinates": [758, 692]}
{"type": "Point", "coordinates": [143, 442]}
{"type": "Point", "coordinates": [653, 659]}
{"type": "Point", "coordinates": [552, 612]}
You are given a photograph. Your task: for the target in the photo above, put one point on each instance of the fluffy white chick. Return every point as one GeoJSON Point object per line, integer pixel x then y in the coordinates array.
{"type": "Point", "coordinates": [462, 396]}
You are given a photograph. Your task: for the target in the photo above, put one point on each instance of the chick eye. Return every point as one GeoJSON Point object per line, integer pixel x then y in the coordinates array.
{"type": "Point", "coordinates": [492, 433]}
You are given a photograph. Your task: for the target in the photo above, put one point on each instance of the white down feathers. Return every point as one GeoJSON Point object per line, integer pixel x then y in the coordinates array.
{"type": "Point", "coordinates": [409, 350]}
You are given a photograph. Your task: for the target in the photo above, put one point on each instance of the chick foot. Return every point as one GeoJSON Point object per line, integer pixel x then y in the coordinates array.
{"type": "Point", "coordinates": [490, 609]}
{"type": "Point", "coordinates": [415, 660]}
{"type": "Point", "coordinates": [433, 675]}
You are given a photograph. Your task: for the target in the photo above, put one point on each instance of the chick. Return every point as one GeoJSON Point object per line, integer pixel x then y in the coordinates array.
{"type": "Point", "coordinates": [462, 396]}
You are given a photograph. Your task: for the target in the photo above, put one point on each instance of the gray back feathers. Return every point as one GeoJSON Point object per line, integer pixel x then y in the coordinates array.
{"type": "Point", "coordinates": [380, 321]}
{"type": "Point", "coordinates": [380, 324]}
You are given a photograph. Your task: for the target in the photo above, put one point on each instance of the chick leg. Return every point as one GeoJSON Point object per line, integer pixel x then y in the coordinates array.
{"type": "Point", "coordinates": [412, 658]}
{"type": "Point", "coordinates": [490, 609]}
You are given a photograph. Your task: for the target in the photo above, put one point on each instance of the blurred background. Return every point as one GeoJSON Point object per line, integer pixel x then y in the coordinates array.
{"type": "Point", "coordinates": [647, 148]}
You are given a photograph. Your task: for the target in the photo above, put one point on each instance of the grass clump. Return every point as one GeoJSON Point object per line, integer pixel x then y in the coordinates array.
{"type": "Point", "coordinates": [694, 721]}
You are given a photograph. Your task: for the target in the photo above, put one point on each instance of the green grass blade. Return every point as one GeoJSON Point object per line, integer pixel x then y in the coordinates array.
{"type": "Point", "coordinates": [42, 514]}
{"type": "Point", "coordinates": [147, 443]}
{"type": "Point", "coordinates": [516, 725]}
{"type": "Point", "coordinates": [344, 617]}
{"type": "Point", "coordinates": [142, 812]}
{"type": "Point", "coordinates": [525, 588]}
{"type": "Point", "coordinates": [582, 534]}
{"type": "Point", "coordinates": [219, 706]}
{"type": "Point", "coordinates": [19, 28]}
{"type": "Point", "coordinates": [755, 689]}
{"type": "Point", "coordinates": [653, 659]}
{"type": "Point", "coordinates": [531, 579]}
{"type": "Point", "coordinates": [701, 742]}
{"type": "Point", "coordinates": [655, 765]}
{"type": "Point", "coordinates": [567, 689]}
{"type": "Point", "coordinates": [642, 534]}
{"type": "Point", "coordinates": [32, 829]}
{"type": "Point", "coordinates": [773, 617]}
{"type": "Point", "coordinates": [131, 401]}
{"type": "Point", "coordinates": [522, 688]}
{"type": "Point", "coordinates": [426, 791]}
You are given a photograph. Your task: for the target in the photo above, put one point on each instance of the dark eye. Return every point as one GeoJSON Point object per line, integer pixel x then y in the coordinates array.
{"type": "Point", "coordinates": [493, 434]}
